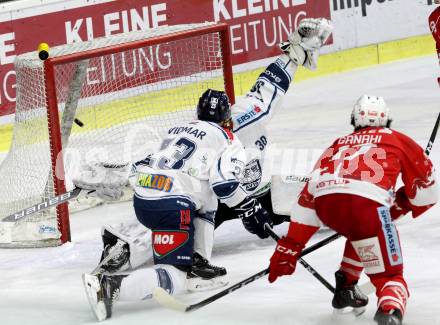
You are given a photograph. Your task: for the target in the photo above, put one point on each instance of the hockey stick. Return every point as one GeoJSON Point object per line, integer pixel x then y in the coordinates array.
{"type": "Point", "coordinates": [433, 136]}
{"type": "Point", "coordinates": [52, 202]}
{"type": "Point", "coordinates": [306, 265]}
{"type": "Point", "coordinates": [47, 204]}
{"type": "Point", "coordinates": [168, 301]}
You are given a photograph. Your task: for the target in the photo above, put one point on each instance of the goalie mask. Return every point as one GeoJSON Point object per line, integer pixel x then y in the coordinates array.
{"type": "Point", "coordinates": [214, 107]}
{"type": "Point", "coordinates": [370, 111]}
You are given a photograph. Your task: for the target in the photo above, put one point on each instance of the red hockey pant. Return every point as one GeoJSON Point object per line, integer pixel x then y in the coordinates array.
{"type": "Point", "coordinates": [358, 218]}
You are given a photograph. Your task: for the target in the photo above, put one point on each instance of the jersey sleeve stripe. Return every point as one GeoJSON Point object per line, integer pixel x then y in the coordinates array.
{"type": "Point", "coordinates": [225, 190]}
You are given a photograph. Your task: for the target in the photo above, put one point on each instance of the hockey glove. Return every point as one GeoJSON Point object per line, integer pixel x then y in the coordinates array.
{"type": "Point", "coordinates": [283, 261]}
{"type": "Point", "coordinates": [401, 205]}
{"type": "Point", "coordinates": [254, 216]}
{"type": "Point", "coordinates": [304, 43]}
{"type": "Point", "coordinates": [105, 180]}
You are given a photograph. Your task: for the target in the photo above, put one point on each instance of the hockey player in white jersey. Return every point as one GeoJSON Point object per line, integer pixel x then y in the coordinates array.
{"type": "Point", "coordinates": [199, 162]}
{"type": "Point", "coordinates": [250, 117]}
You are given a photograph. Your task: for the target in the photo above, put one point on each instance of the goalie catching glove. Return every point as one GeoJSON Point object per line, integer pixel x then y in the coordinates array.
{"type": "Point", "coordinates": [106, 180]}
{"type": "Point", "coordinates": [304, 43]}
{"type": "Point", "coordinates": [254, 216]}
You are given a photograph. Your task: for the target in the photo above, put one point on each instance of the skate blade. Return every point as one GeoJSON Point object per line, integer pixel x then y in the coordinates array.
{"type": "Point", "coordinates": [348, 313]}
{"type": "Point", "coordinates": [200, 285]}
{"type": "Point", "coordinates": [92, 287]}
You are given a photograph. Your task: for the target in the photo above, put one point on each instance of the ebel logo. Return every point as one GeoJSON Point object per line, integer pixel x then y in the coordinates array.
{"type": "Point", "coordinates": [348, 4]}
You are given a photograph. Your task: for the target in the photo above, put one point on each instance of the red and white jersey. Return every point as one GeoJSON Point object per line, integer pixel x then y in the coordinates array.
{"type": "Point", "coordinates": [434, 25]}
{"type": "Point", "coordinates": [367, 163]}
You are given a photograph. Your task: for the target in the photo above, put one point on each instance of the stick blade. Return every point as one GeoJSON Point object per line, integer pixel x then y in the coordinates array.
{"type": "Point", "coordinates": [167, 301]}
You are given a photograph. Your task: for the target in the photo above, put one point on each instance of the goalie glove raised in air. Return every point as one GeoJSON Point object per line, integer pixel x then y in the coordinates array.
{"type": "Point", "coordinates": [304, 43]}
{"type": "Point", "coordinates": [106, 180]}
{"type": "Point", "coordinates": [254, 216]}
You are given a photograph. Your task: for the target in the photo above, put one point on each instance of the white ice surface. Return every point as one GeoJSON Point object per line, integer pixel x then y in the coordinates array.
{"type": "Point", "coordinates": [43, 286]}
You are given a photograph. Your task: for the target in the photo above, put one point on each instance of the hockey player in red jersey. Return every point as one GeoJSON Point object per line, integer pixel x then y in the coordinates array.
{"type": "Point", "coordinates": [434, 26]}
{"type": "Point", "coordinates": [352, 190]}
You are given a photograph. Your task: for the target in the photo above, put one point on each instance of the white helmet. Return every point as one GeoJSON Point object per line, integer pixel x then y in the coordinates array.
{"type": "Point", "coordinates": [370, 111]}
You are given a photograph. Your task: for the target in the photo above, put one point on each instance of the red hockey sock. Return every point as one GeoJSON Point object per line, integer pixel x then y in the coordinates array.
{"type": "Point", "coordinates": [351, 264]}
{"type": "Point", "coordinates": [392, 293]}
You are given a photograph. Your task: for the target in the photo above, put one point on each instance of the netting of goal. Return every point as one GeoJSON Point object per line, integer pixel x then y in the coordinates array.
{"type": "Point", "coordinates": [110, 99]}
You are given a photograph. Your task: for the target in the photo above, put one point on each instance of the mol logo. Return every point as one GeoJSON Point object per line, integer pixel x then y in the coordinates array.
{"type": "Point", "coordinates": [164, 239]}
{"type": "Point", "coordinates": [166, 242]}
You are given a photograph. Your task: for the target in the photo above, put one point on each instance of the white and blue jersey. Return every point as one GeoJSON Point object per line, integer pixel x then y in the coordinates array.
{"type": "Point", "coordinates": [198, 161]}
{"type": "Point", "coordinates": [252, 113]}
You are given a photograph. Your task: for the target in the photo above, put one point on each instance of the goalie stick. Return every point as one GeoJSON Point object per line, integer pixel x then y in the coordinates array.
{"type": "Point", "coordinates": [168, 301]}
{"type": "Point", "coordinates": [52, 202]}
{"type": "Point", "coordinates": [46, 204]}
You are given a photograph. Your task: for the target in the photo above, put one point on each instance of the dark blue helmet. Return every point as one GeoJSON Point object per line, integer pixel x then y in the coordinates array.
{"type": "Point", "coordinates": [214, 106]}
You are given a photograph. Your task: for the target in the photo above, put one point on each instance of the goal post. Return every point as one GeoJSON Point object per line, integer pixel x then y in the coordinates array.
{"type": "Point", "coordinates": [127, 90]}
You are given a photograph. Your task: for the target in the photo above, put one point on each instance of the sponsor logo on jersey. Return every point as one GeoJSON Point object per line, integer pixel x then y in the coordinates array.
{"type": "Point", "coordinates": [251, 175]}
{"type": "Point", "coordinates": [249, 115]}
{"type": "Point", "coordinates": [391, 238]}
{"type": "Point", "coordinates": [332, 183]}
{"type": "Point", "coordinates": [166, 242]}
{"type": "Point", "coordinates": [155, 182]}
{"type": "Point", "coordinates": [273, 76]}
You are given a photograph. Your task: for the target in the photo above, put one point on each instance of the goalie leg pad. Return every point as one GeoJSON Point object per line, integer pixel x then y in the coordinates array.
{"type": "Point", "coordinates": [136, 236]}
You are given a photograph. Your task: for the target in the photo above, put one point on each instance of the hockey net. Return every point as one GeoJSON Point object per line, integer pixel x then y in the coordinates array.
{"type": "Point", "coordinates": [110, 100]}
